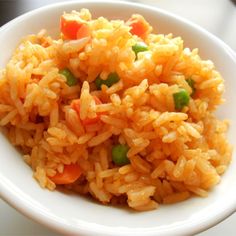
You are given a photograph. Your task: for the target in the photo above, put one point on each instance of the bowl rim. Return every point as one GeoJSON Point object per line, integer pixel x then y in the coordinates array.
{"type": "Point", "coordinates": [7, 193]}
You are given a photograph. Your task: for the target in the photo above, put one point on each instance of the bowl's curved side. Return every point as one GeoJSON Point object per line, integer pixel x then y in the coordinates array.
{"type": "Point", "coordinates": [81, 217]}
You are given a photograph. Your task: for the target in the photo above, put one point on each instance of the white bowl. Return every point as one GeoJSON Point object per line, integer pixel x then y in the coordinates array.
{"type": "Point", "coordinates": [73, 214]}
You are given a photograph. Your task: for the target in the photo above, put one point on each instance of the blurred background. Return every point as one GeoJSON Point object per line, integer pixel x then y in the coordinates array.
{"type": "Point", "coordinates": [216, 16]}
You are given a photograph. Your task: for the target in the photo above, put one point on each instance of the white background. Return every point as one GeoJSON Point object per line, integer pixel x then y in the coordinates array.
{"type": "Point", "coordinates": [218, 17]}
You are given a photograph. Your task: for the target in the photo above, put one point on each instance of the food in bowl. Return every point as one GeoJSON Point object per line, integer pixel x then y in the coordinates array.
{"type": "Point", "coordinates": [114, 111]}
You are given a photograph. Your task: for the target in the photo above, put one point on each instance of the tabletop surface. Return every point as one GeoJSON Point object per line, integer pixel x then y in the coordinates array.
{"type": "Point", "coordinates": [218, 17]}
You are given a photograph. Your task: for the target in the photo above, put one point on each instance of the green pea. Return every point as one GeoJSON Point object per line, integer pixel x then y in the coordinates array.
{"type": "Point", "coordinates": [119, 154]}
{"type": "Point", "coordinates": [111, 79]}
{"type": "Point", "coordinates": [191, 83]}
{"type": "Point", "coordinates": [139, 47]}
{"type": "Point", "coordinates": [99, 82]}
{"type": "Point", "coordinates": [70, 78]}
{"type": "Point", "coordinates": [181, 99]}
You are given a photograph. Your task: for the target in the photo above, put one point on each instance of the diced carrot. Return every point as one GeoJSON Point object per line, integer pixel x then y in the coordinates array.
{"type": "Point", "coordinates": [72, 27]}
{"type": "Point", "coordinates": [69, 26]}
{"type": "Point", "coordinates": [87, 121]}
{"type": "Point", "coordinates": [69, 175]}
{"type": "Point", "coordinates": [138, 26]}
{"type": "Point", "coordinates": [83, 32]}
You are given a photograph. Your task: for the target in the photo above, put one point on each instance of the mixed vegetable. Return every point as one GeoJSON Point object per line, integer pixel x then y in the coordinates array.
{"type": "Point", "coordinates": [70, 78]}
{"type": "Point", "coordinates": [139, 47]}
{"type": "Point", "coordinates": [69, 175]}
{"type": "Point", "coordinates": [181, 99]}
{"type": "Point", "coordinates": [119, 154]}
{"type": "Point", "coordinates": [73, 27]}
{"type": "Point", "coordinates": [111, 79]}
{"type": "Point", "coordinates": [138, 26]}
{"type": "Point", "coordinates": [191, 83]}
{"type": "Point", "coordinates": [72, 172]}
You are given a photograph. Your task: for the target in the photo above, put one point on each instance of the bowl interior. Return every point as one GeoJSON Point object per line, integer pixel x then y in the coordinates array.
{"type": "Point", "coordinates": [72, 213]}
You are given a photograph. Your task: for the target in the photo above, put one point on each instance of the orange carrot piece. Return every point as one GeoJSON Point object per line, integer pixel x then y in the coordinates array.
{"type": "Point", "coordinates": [72, 27]}
{"type": "Point", "coordinates": [69, 175]}
{"type": "Point", "coordinates": [83, 31]}
{"type": "Point", "coordinates": [138, 26]}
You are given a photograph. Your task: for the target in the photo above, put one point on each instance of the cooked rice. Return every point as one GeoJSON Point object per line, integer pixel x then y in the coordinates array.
{"type": "Point", "coordinates": [172, 154]}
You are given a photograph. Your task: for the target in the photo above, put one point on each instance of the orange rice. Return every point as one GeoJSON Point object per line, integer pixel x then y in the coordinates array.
{"type": "Point", "coordinates": [173, 154]}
